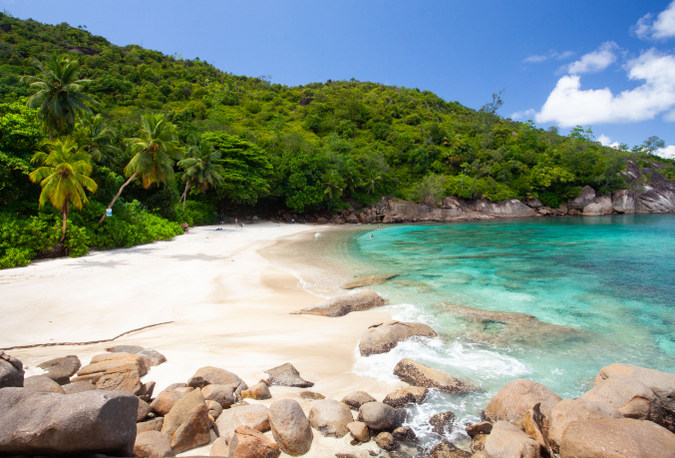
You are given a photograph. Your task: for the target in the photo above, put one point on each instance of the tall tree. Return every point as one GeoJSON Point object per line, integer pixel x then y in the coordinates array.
{"type": "Point", "coordinates": [97, 139]}
{"type": "Point", "coordinates": [58, 97]}
{"type": "Point", "coordinates": [154, 152]}
{"type": "Point", "coordinates": [63, 176]}
{"type": "Point", "coordinates": [201, 169]}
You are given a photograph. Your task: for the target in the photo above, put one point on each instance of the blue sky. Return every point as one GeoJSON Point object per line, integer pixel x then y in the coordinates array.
{"type": "Point", "coordinates": [607, 64]}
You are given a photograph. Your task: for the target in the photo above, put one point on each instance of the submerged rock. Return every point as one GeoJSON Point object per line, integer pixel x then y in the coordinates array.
{"type": "Point", "coordinates": [417, 374]}
{"type": "Point", "coordinates": [340, 306]}
{"type": "Point", "coordinates": [369, 280]}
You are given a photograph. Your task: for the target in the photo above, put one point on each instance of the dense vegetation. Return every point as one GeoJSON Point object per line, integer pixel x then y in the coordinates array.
{"type": "Point", "coordinates": [171, 140]}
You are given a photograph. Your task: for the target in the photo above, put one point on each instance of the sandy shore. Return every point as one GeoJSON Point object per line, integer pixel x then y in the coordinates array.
{"type": "Point", "coordinates": [220, 301]}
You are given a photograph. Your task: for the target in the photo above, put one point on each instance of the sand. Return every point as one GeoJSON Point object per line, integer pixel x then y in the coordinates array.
{"type": "Point", "coordinates": [207, 297]}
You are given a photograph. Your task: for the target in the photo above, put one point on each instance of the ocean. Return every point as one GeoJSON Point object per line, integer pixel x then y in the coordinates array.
{"type": "Point", "coordinates": [600, 290]}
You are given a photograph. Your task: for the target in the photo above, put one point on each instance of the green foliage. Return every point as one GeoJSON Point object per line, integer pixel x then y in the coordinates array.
{"type": "Point", "coordinates": [197, 213]}
{"type": "Point", "coordinates": [430, 190]}
{"type": "Point", "coordinates": [23, 239]}
{"type": "Point", "coordinates": [19, 130]}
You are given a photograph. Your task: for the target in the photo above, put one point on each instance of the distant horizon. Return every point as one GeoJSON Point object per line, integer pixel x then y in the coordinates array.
{"type": "Point", "coordinates": [558, 65]}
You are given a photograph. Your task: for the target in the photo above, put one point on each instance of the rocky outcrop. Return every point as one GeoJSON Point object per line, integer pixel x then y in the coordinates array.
{"type": "Point", "coordinates": [42, 383]}
{"type": "Point", "coordinates": [61, 369]}
{"type": "Point", "coordinates": [417, 374]}
{"type": "Point", "coordinates": [330, 418]}
{"type": "Point", "coordinates": [286, 375]}
{"type": "Point", "coordinates": [43, 423]}
{"type": "Point", "coordinates": [290, 427]}
{"type": "Point", "coordinates": [570, 410]}
{"type": "Point", "coordinates": [404, 396]}
{"type": "Point", "coordinates": [441, 423]}
{"type": "Point", "coordinates": [369, 280]}
{"type": "Point", "coordinates": [187, 424]}
{"type": "Point", "coordinates": [629, 395]}
{"type": "Point", "coordinates": [340, 306]}
{"type": "Point", "coordinates": [516, 398]}
{"type": "Point", "coordinates": [356, 399]}
{"type": "Point", "coordinates": [382, 337]}
{"type": "Point", "coordinates": [152, 444]}
{"type": "Point", "coordinates": [380, 417]}
{"type": "Point", "coordinates": [11, 371]}
{"type": "Point", "coordinates": [507, 440]}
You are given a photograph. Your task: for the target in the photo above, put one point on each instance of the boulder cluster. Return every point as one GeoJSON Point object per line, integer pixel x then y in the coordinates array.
{"type": "Point", "coordinates": [106, 408]}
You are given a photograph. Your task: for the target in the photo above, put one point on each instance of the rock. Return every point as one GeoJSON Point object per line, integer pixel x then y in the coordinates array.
{"type": "Point", "coordinates": [511, 208]}
{"type": "Point", "coordinates": [534, 425]}
{"type": "Point", "coordinates": [369, 280]}
{"type": "Point", "coordinates": [380, 417]}
{"type": "Point", "coordinates": [152, 444]}
{"type": "Point", "coordinates": [385, 441]}
{"type": "Point", "coordinates": [586, 197]}
{"type": "Point", "coordinates": [382, 337]}
{"type": "Point", "coordinates": [133, 349]}
{"type": "Point", "coordinates": [105, 362]}
{"type": "Point", "coordinates": [61, 369]}
{"type": "Point", "coordinates": [483, 427]}
{"type": "Point", "coordinates": [167, 398]}
{"type": "Point", "coordinates": [629, 395]}
{"type": "Point", "coordinates": [404, 396]}
{"type": "Point", "coordinates": [286, 375]}
{"type": "Point", "coordinates": [123, 378]}
{"type": "Point", "coordinates": [623, 201]}
{"type": "Point", "coordinates": [441, 423]}
{"type": "Point", "coordinates": [78, 387]}
{"type": "Point", "coordinates": [404, 434]}
{"type": "Point", "coordinates": [290, 427]}
{"type": "Point", "coordinates": [250, 443]}
{"type": "Point", "coordinates": [43, 423]}
{"type": "Point", "coordinates": [215, 409]}
{"type": "Point", "coordinates": [152, 357]}
{"type": "Point", "coordinates": [220, 447]}
{"type": "Point", "coordinates": [150, 425]}
{"type": "Point", "coordinates": [507, 440]}
{"type": "Point", "coordinates": [516, 398]}
{"type": "Point", "coordinates": [187, 424]}
{"type": "Point", "coordinates": [662, 385]}
{"type": "Point", "coordinates": [42, 383]}
{"type": "Point", "coordinates": [146, 391]}
{"type": "Point", "coordinates": [359, 431]}
{"type": "Point", "coordinates": [255, 415]}
{"type": "Point", "coordinates": [11, 371]}
{"type": "Point", "coordinates": [478, 442]}
{"type": "Point", "coordinates": [356, 399]}
{"type": "Point", "coordinates": [340, 306]}
{"type": "Point", "coordinates": [616, 437]}
{"type": "Point", "coordinates": [311, 395]}
{"type": "Point", "coordinates": [600, 206]}
{"type": "Point", "coordinates": [417, 374]}
{"type": "Point", "coordinates": [212, 375]}
{"type": "Point", "coordinates": [143, 410]}
{"type": "Point", "coordinates": [222, 394]}
{"type": "Point", "coordinates": [259, 391]}
{"type": "Point", "coordinates": [330, 418]}
{"type": "Point", "coordinates": [447, 449]}
{"type": "Point", "coordinates": [569, 410]}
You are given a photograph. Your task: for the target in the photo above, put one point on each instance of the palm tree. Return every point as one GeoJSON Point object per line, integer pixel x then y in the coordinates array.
{"type": "Point", "coordinates": [201, 169]}
{"type": "Point", "coordinates": [58, 95]}
{"type": "Point", "coordinates": [64, 175]}
{"type": "Point", "coordinates": [97, 139]}
{"type": "Point", "coordinates": [154, 153]}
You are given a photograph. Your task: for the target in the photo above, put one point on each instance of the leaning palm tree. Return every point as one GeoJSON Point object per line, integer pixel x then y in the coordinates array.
{"type": "Point", "coordinates": [201, 169]}
{"type": "Point", "coordinates": [64, 175]}
{"type": "Point", "coordinates": [58, 97]}
{"type": "Point", "coordinates": [154, 153]}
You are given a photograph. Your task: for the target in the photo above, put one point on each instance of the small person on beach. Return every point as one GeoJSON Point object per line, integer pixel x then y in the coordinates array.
{"type": "Point", "coordinates": [185, 227]}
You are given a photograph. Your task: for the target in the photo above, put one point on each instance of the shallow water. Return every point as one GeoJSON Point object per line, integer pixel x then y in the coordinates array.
{"type": "Point", "coordinates": [602, 290]}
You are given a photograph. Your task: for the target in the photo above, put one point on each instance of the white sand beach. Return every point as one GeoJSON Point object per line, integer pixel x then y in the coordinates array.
{"type": "Point", "coordinates": [221, 302]}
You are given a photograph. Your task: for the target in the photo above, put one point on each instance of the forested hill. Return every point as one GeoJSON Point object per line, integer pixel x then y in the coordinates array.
{"type": "Point", "coordinates": [317, 147]}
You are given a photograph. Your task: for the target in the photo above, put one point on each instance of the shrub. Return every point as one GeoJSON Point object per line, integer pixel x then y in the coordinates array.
{"type": "Point", "coordinates": [196, 213]}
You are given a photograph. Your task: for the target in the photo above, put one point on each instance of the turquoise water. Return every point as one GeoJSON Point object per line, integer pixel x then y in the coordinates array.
{"type": "Point", "coordinates": [603, 288]}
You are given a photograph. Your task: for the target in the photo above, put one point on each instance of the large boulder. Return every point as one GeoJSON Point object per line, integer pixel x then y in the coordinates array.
{"type": "Point", "coordinates": [330, 418]}
{"type": "Point", "coordinates": [599, 207]}
{"type": "Point", "coordinates": [508, 441]}
{"type": "Point", "coordinates": [61, 369]}
{"type": "Point", "coordinates": [222, 394]}
{"type": "Point", "coordinates": [623, 201]}
{"type": "Point", "coordinates": [44, 423]}
{"type": "Point", "coordinates": [259, 391]}
{"type": "Point", "coordinates": [340, 306]}
{"type": "Point", "coordinates": [42, 383]}
{"type": "Point", "coordinates": [11, 371]}
{"type": "Point", "coordinates": [115, 371]}
{"type": "Point", "coordinates": [359, 431]}
{"type": "Point", "coordinates": [286, 375]}
{"type": "Point", "coordinates": [209, 375]}
{"type": "Point", "coordinates": [187, 424]}
{"type": "Point", "coordinates": [356, 399]}
{"type": "Point", "coordinates": [417, 374]}
{"type": "Point", "coordinates": [382, 337]}
{"type": "Point", "coordinates": [447, 449]}
{"type": "Point", "coordinates": [124, 378]}
{"type": "Point", "coordinates": [251, 443]}
{"type": "Point", "coordinates": [586, 197]}
{"type": "Point", "coordinates": [404, 396]}
{"type": "Point", "coordinates": [629, 395]}
{"type": "Point", "coordinates": [516, 398]}
{"type": "Point", "coordinates": [152, 444]}
{"type": "Point", "coordinates": [163, 403]}
{"type": "Point", "coordinates": [570, 410]}
{"type": "Point", "coordinates": [617, 438]}
{"type": "Point", "coordinates": [253, 415]}
{"type": "Point", "coordinates": [442, 422]}
{"type": "Point", "coordinates": [151, 357]}
{"type": "Point", "coordinates": [662, 385]}
{"type": "Point", "coordinates": [290, 427]}
{"type": "Point", "coordinates": [380, 416]}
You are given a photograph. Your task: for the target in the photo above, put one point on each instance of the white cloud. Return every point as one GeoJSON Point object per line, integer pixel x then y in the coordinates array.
{"type": "Point", "coordinates": [595, 61]}
{"type": "Point", "coordinates": [606, 141]}
{"type": "Point", "coordinates": [527, 114]}
{"type": "Point", "coordinates": [551, 55]}
{"type": "Point", "coordinates": [569, 105]}
{"type": "Point", "coordinates": [662, 27]}
{"type": "Point", "coordinates": [667, 152]}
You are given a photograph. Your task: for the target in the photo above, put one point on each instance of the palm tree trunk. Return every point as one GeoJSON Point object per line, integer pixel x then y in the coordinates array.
{"type": "Point", "coordinates": [184, 196]}
{"type": "Point", "coordinates": [131, 178]}
{"type": "Point", "coordinates": [63, 225]}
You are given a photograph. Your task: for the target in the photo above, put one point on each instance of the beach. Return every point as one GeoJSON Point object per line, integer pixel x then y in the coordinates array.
{"type": "Point", "coordinates": [205, 298]}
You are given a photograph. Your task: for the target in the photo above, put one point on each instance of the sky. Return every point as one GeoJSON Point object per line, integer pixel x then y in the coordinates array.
{"type": "Point", "coordinates": [604, 64]}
